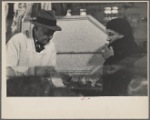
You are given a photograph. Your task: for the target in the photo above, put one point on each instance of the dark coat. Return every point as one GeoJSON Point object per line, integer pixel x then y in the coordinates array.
{"type": "Point", "coordinates": [118, 70]}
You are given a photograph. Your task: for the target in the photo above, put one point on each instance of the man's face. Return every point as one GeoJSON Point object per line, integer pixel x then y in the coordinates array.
{"type": "Point", "coordinates": [43, 35]}
{"type": "Point", "coordinates": [113, 36]}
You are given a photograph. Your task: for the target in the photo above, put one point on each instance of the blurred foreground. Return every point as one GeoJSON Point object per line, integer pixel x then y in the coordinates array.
{"type": "Point", "coordinates": [45, 81]}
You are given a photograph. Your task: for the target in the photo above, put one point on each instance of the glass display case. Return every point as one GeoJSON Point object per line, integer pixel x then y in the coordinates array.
{"type": "Point", "coordinates": [45, 81]}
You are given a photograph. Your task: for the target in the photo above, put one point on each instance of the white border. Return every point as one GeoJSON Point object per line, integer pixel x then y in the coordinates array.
{"type": "Point", "coordinates": [148, 43]}
{"type": "Point", "coordinates": [71, 107]}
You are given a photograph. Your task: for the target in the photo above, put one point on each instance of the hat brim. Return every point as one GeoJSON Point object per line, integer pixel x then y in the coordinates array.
{"type": "Point", "coordinates": [55, 28]}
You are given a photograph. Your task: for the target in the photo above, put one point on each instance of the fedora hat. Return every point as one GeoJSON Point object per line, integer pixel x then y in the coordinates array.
{"type": "Point", "coordinates": [47, 19]}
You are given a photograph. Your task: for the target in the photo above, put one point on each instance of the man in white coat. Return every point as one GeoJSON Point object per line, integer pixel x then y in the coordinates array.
{"type": "Point", "coordinates": [34, 47]}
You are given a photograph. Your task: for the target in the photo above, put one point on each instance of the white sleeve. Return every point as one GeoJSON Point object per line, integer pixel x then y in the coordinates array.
{"type": "Point", "coordinates": [12, 51]}
{"type": "Point", "coordinates": [18, 71]}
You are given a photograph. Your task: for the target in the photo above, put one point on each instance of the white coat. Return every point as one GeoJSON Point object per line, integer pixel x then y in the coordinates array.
{"type": "Point", "coordinates": [21, 51]}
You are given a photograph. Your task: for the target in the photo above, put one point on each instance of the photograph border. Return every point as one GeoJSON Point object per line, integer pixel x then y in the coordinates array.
{"type": "Point", "coordinates": [65, 99]}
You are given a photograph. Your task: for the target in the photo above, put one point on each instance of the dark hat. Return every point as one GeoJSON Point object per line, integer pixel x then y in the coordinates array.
{"type": "Point", "coordinates": [120, 25]}
{"type": "Point", "coordinates": [47, 19]}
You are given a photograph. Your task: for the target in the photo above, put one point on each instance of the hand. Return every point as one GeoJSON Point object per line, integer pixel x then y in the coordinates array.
{"type": "Point", "coordinates": [107, 52]}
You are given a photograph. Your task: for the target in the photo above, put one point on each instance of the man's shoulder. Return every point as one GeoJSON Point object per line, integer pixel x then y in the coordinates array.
{"type": "Point", "coordinates": [50, 47]}
{"type": "Point", "coordinates": [19, 37]}
{"type": "Point", "coordinates": [51, 44]}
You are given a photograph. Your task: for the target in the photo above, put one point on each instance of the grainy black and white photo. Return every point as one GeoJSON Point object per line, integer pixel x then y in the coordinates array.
{"type": "Point", "coordinates": [72, 49]}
